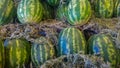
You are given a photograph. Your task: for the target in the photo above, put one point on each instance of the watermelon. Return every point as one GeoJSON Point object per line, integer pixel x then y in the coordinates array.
{"type": "Point", "coordinates": [103, 8]}
{"type": "Point", "coordinates": [1, 54]}
{"type": "Point", "coordinates": [60, 13]}
{"type": "Point", "coordinates": [6, 11]}
{"type": "Point", "coordinates": [47, 14]}
{"type": "Point", "coordinates": [78, 12]}
{"type": "Point", "coordinates": [117, 8]}
{"type": "Point", "coordinates": [30, 11]}
{"type": "Point", "coordinates": [102, 46]}
{"type": "Point", "coordinates": [53, 2]}
{"type": "Point", "coordinates": [71, 41]}
{"type": "Point", "coordinates": [41, 51]}
{"type": "Point", "coordinates": [17, 53]}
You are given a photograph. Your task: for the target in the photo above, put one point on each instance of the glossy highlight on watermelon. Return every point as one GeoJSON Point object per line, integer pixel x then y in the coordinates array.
{"type": "Point", "coordinates": [6, 11]}
{"type": "Point", "coordinates": [41, 51]}
{"type": "Point", "coordinates": [17, 53]}
{"type": "Point", "coordinates": [1, 54]}
{"type": "Point", "coordinates": [53, 2]}
{"type": "Point", "coordinates": [71, 41]}
{"type": "Point", "coordinates": [30, 11]}
{"type": "Point", "coordinates": [103, 8]}
{"type": "Point", "coordinates": [102, 45]}
{"type": "Point", "coordinates": [78, 12]}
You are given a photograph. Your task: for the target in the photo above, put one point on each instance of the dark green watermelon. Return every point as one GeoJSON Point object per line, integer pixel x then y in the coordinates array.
{"type": "Point", "coordinates": [71, 41]}
{"type": "Point", "coordinates": [1, 54]}
{"type": "Point", "coordinates": [102, 45]}
{"type": "Point", "coordinates": [48, 11]}
{"type": "Point", "coordinates": [6, 11]}
{"type": "Point", "coordinates": [17, 53]}
{"type": "Point", "coordinates": [42, 50]}
{"type": "Point", "coordinates": [30, 11]}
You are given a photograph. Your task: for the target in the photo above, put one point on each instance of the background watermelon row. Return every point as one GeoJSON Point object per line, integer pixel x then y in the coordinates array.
{"type": "Point", "coordinates": [75, 12]}
{"type": "Point", "coordinates": [19, 52]}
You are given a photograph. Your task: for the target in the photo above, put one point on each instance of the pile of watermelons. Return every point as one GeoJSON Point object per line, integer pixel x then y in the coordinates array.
{"type": "Point", "coordinates": [37, 33]}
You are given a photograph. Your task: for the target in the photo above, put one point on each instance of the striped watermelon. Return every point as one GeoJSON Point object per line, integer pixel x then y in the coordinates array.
{"type": "Point", "coordinates": [117, 8]}
{"type": "Point", "coordinates": [17, 52]}
{"type": "Point", "coordinates": [42, 50]}
{"type": "Point", "coordinates": [103, 8]}
{"type": "Point", "coordinates": [1, 54]}
{"type": "Point", "coordinates": [30, 11]}
{"type": "Point", "coordinates": [6, 11]}
{"type": "Point", "coordinates": [103, 46]}
{"type": "Point", "coordinates": [78, 12]}
{"type": "Point", "coordinates": [53, 2]}
{"type": "Point", "coordinates": [71, 41]}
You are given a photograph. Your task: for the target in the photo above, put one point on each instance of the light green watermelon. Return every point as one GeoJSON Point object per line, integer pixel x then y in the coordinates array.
{"type": "Point", "coordinates": [30, 11]}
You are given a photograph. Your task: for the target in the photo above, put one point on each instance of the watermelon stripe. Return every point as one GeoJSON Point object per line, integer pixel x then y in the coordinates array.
{"type": "Point", "coordinates": [43, 53]}
{"type": "Point", "coordinates": [78, 42]}
{"type": "Point", "coordinates": [70, 36]}
{"type": "Point", "coordinates": [68, 45]}
{"type": "Point", "coordinates": [52, 51]}
{"type": "Point", "coordinates": [73, 37]}
{"type": "Point", "coordinates": [1, 54]}
{"type": "Point", "coordinates": [117, 8]}
{"type": "Point", "coordinates": [39, 12]}
{"type": "Point", "coordinates": [34, 58]}
{"type": "Point", "coordinates": [26, 55]}
{"type": "Point", "coordinates": [35, 54]}
{"type": "Point", "coordinates": [104, 49]}
{"type": "Point", "coordinates": [17, 52]}
{"type": "Point", "coordinates": [64, 40]}
{"type": "Point", "coordinates": [11, 55]}
{"type": "Point", "coordinates": [82, 42]}
{"type": "Point", "coordinates": [3, 9]}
